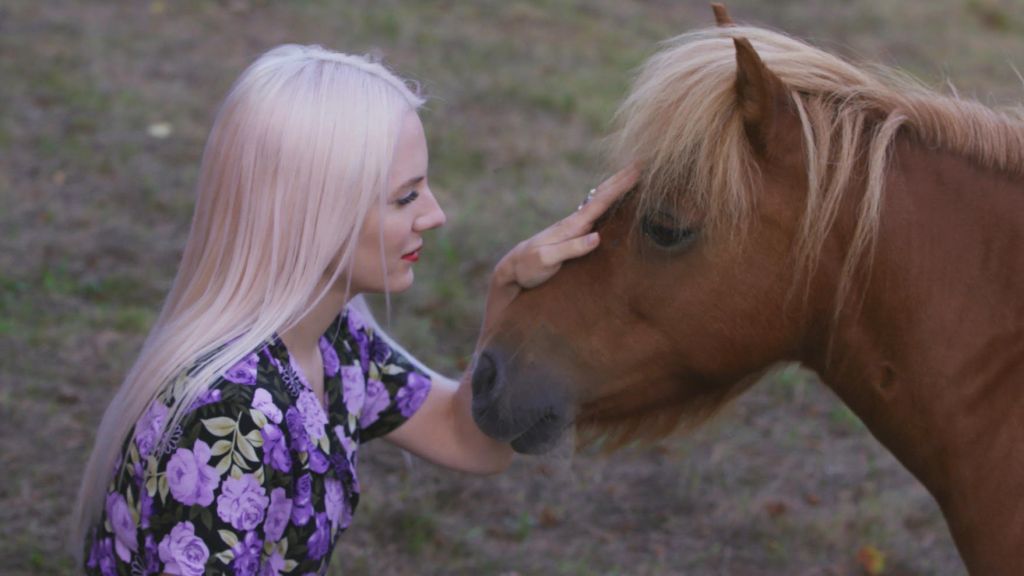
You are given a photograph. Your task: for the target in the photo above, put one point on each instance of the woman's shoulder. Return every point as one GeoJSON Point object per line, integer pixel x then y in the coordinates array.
{"type": "Point", "coordinates": [351, 323]}
{"type": "Point", "coordinates": [231, 413]}
{"type": "Point", "coordinates": [256, 380]}
{"type": "Point", "coordinates": [349, 338]}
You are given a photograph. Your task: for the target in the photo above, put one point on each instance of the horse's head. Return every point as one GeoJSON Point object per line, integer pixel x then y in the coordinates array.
{"type": "Point", "coordinates": [690, 295]}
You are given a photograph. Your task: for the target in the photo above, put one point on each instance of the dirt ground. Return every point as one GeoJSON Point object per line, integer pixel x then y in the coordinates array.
{"type": "Point", "coordinates": [104, 107]}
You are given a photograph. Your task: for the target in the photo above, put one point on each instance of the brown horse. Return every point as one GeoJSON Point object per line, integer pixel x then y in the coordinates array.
{"type": "Point", "coordinates": [795, 208]}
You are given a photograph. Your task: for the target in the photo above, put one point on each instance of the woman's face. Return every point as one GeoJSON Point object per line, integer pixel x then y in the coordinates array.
{"type": "Point", "coordinates": [392, 236]}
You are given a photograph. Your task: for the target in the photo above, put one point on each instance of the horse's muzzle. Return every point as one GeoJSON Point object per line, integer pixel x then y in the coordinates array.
{"type": "Point", "coordinates": [522, 405]}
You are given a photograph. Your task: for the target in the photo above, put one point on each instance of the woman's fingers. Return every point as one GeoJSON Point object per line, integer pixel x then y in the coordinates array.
{"type": "Point", "coordinates": [578, 246]}
{"type": "Point", "coordinates": [549, 258]}
{"type": "Point", "coordinates": [609, 191]}
{"type": "Point", "coordinates": [606, 194]}
{"type": "Point", "coordinates": [534, 261]}
{"type": "Point", "coordinates": [555, 254]}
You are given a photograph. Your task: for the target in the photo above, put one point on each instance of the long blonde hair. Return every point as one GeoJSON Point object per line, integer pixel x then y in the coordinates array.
{"type": "Point", "coordinates": [298, 154]}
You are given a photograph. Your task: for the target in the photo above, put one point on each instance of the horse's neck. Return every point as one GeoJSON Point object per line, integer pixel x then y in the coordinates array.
{"type": "Point", "coordinates": [932, 359]}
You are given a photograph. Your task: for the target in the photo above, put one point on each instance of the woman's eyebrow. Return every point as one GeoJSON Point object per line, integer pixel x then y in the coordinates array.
{"type": "Point", "coordinates": [410, 182]}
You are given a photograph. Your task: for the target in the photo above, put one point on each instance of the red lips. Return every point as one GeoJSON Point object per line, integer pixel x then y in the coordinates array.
{"type": "Point", "coordinates": [412, 256]}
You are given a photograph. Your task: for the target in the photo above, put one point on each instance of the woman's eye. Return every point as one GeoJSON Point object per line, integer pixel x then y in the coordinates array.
{"type": "Point", "coordinates": [665, 232]}
{"type": "Point", "coordinates": [408, 198]}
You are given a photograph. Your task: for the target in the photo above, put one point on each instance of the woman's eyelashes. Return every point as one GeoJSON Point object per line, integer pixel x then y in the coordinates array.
{"type": "Point", "coordinates": [408, 198]}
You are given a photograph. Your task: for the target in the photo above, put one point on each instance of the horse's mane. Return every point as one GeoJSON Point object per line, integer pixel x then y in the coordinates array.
{"type": "Point", "coordinates": [681, 122]}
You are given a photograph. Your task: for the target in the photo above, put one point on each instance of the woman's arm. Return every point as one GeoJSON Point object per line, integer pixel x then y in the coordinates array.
{"type": "Point", "coordinates": [442, 430]}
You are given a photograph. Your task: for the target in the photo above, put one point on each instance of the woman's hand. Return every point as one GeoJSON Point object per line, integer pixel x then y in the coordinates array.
{"type": "Point", "coordinates": [535, 260]}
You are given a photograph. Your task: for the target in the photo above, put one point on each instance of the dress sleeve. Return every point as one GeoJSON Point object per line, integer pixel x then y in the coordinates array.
{"type": "Point", "coordinates": [208, 499]}
{"type": "Point", "coordinates": [396, 387]}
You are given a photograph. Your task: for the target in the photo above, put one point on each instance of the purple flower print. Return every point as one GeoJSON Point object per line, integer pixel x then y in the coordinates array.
{"type": "Point", "coordinates": [145, 507]}
{"type": "Point", "coordinates": [102, 556]}
{"type": "Point", "coordinates": [288, 375]}
{"type": "Point", "coordinates": [321, 538]}
{"type": "Point", "coordinates": [275, 448]}
{"type": "Point", "coordinates": [356, 322]}
{"type": "Point", "coordinates": [149, 427]}
{"type": "Point", "coordinates": [120, 517]}
{"type": "Point", "coordinates": [139, 475]}
{"type": "Point", "coordinates": [262, 401]}
{"type": "Point", "coordinates": [334, 499]}
{"type": "Point", "coordinates": [377, 400]}
{"type": "Point", "coordinates": [273, 566]}
{"type": "Point", "coordinates": [341, 466]}
{"type": "Point", "coordinates": [330, 357]}
{"type": "Point", "coordinates": [242, 502]}
{"type": "Point", "coordinates": [379, 350]}
{"type": "Point", "coordinates": [318, 461]}
{"type": "Point", "coordinates": [357, 329]}
{"type": "Point", "coordinates": [353, 388]}
{"type": "Point", "coordinates": [303, 489]}
{"type": "Point", "coordinates": [412, 395]}
{"type": "Point", "coordinates": [297, 429]}
{"type": "Point", "coordinates": [296, 371]}
{"type": "Point", "coordinates": [244, 372]}
{"type": "Point", "coordinates": [182, 552]}
{"type": "Point", "coordinates": [363, 346]}
{"type": "Point", "coordinates": [190, 479]}
{"type": "Point", "coordinates": [151, 556]}
{"type": "Point", "coordinates": [171, 443]}
{"type": "Point", "coordinates": [278, 513]}
{"type": "Point", "coordinates": [347, 443]}
{"type": "Point", "coordinates": [302, 505]}
{"type": "Point", "coordinates": [207, 397]}
{"type": "Point", "coordinates": [313, 417]}
{"type": "Point", "coordinates": [247, 555]}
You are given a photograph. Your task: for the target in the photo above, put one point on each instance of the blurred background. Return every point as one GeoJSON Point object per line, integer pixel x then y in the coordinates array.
{"type": "Point", "coordinates": [104, 108]}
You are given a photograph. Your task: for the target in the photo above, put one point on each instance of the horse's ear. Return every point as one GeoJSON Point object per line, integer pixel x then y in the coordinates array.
{"type": "Point", "coordinates": [722, 17]}
{"type": "Point", "coordinates": [761, 96]}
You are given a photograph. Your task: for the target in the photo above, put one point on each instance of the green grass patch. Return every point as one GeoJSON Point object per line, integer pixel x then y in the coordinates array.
{"type": "Point", "coordinates": [131, 319]}
{"type": "Point", "coordinates": [415, 531]}
{"type": "Point", "coordinates": [122, 287]}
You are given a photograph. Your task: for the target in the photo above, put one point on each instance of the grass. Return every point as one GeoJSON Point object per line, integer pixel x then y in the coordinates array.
{"type": "Point", "coordinates": [95, 213]}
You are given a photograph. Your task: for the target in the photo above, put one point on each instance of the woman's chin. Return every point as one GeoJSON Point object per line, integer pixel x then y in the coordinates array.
{"type": "Point", "coordinates": [403, 282]}
{"type": "Point", "coordinates": [399, 282]}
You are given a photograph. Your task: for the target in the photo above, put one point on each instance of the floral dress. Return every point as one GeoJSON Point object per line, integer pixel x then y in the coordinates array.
{"type": "Point", "coordinates": [257, 479]}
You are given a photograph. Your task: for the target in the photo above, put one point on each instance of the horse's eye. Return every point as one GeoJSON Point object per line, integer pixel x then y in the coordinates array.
{"type": "Point", "coordinates": [665, 232]}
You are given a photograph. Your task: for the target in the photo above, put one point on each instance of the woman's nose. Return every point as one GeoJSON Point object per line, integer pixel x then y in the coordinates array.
{"type": "Point", "coordinates": [433, 216]}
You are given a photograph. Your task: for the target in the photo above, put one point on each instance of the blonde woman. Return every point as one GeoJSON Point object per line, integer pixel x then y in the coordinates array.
{"type": "Point", "coordinates": [231, 445]}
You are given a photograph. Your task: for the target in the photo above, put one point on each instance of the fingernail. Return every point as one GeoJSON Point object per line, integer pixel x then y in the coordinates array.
{"type": "Point", "coordinates": [593, 238]}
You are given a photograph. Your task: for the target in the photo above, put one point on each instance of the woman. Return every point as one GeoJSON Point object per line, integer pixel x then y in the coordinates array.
{"type": "Point", "coordinates": [232, 443]}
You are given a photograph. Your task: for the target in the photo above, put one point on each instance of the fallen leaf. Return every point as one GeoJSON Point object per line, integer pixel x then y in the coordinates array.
{"type": "Point", "coordinates": [775, 508]}
{"type": "Point", "coordinates": [549, 518]}
{"type": "Point", "coordinates": [871, 559]}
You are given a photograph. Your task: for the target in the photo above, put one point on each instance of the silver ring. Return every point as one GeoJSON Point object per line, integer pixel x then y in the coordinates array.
{"type": "Point", "coordinates": [587, 198]}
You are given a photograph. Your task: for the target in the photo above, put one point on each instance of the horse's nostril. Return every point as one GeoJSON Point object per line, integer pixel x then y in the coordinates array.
{"type": "Point", "coordinates": [484, 376]}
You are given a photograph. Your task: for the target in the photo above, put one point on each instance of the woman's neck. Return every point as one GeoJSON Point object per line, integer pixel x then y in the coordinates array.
{"type": "Point", "coordinates": [304, 336]}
